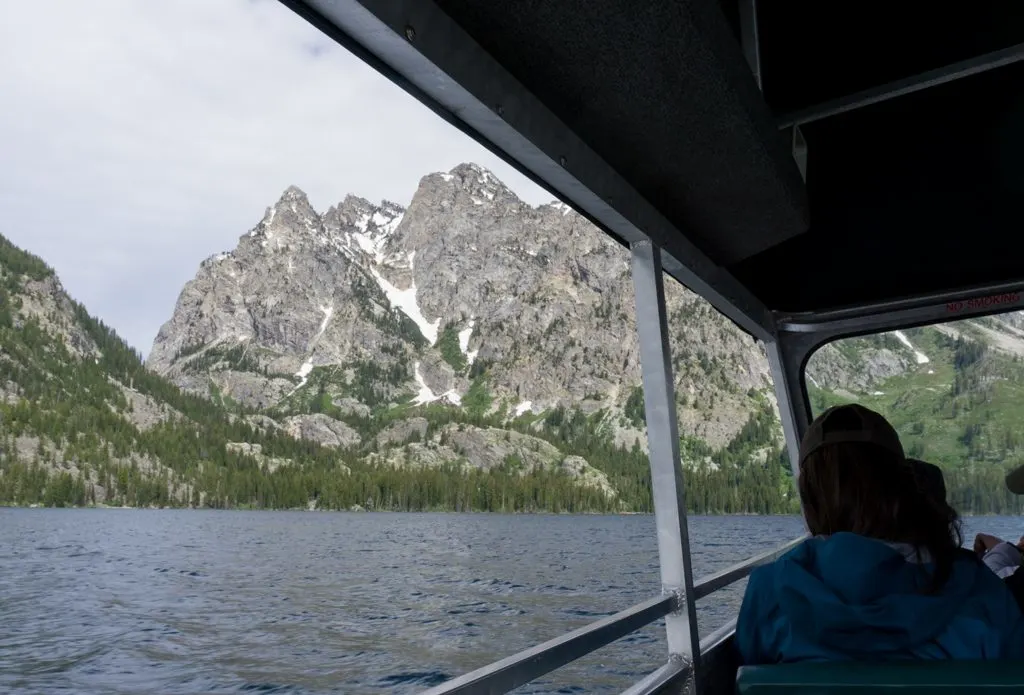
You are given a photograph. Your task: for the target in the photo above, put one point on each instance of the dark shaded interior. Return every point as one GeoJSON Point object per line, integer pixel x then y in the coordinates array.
{"type": "Point", "coordinates": [661, 92]}
{"type": "Point", "coordinates": [915, 195]}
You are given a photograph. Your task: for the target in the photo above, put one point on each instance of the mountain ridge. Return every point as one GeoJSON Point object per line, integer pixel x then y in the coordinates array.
{"type": "Point", "coordinates": [422, 273]}
{"type": "Point", "coordinates": [467, 351]}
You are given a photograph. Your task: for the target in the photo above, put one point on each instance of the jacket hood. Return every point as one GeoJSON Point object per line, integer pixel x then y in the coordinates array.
{"type": "Point", "coordinates": [865, 596]}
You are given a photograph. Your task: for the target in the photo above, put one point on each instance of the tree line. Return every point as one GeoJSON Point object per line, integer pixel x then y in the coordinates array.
{"type": "Point", "coordinates": [74, 406]}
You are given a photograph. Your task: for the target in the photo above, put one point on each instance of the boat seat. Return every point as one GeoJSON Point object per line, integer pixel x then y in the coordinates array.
{"type": "Point", "coordinates": [906, 677]}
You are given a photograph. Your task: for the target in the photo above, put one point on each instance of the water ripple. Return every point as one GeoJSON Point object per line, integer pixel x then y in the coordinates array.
{"type": "Point", "coordinates": [186, 602]}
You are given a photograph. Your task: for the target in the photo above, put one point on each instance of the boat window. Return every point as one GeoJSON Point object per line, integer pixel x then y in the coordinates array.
{"type": "Point", "coordinates": [953, 390]}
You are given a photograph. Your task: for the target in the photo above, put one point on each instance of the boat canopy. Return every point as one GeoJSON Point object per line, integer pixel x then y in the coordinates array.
{"type": "Point", "coordinates": [793, 157]}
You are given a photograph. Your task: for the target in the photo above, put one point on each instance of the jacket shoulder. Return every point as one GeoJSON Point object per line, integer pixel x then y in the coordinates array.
{"type": "Point", "coordinates": [993, 613]}
{"type": "Point", "coordinates": [756, 624]}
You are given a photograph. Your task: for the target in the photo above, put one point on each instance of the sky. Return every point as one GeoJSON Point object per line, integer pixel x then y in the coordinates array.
{"type": "Point", "coordinates": [138, 138]}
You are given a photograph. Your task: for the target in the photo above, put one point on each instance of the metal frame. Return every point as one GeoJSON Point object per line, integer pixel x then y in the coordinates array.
{"type": "Point", "coordinates": [676, 674]}
{"type": "Point", "coordinates": [909, 85]}
{"type": "Point", "coordinates": [667, 486]}
{"type": "Point", "coordinates": [930, 308]}
{"type": "Point", "coordinates": [786, 359]}
{"type": "Point", "coordinates": [519, 669]}
{"type": "Point", "coordinates": [750, 38]}
{"type": "Point", "coordinates": [678, 602]}
{"type": "Point", "coordinates": [723, 578]}
{"type": "Point", "coordinates": [529, 664]}
{"type": "Point", "coordinates": [694, 664]}
{"type": "Point", "coordinates": [799, 336]}
{"type": "Point", "coordinates": [420, 48]}
{"type": "Point", "coordinates": [417, 46]}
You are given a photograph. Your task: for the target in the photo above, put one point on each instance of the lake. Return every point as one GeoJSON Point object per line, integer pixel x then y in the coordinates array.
{"type": "Point", "coordinates": [147, 601]}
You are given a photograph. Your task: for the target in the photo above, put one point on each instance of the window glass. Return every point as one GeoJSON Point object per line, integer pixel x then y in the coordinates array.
{"type": "Point", "coordinates": [954, 391]}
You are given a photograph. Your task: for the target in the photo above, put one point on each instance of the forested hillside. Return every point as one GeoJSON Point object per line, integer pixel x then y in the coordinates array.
{"type": "Point", "coordinates": [83, 421]}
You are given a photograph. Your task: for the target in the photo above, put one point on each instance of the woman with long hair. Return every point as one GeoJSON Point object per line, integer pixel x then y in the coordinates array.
{"type": "Point", "coordinates": [883, 576]}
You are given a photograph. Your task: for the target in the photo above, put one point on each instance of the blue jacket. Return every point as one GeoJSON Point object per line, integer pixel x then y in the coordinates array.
{"type": "Point", "coordinates": [851, 597]}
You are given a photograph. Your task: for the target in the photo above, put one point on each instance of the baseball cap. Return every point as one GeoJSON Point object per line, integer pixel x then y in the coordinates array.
{"type": "Point", "coordinates": [864, 425]}
{"type": "Point", "coordinates": [1015, 481]}
{"type": "Point", "coordinates": [932, 480]}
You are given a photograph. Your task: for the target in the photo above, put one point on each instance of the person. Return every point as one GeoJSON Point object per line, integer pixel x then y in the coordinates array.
{"type": "Point", "coordinates": [884, 576]}
{"type": "Point", "coordinates": [930, 480]}
{"type": "Point", "coordinates": [1000, 556]}
{"type": "Point", "coordinates": [1015, 581]}
{"type": "Point", "coordinates": [1003, 558]}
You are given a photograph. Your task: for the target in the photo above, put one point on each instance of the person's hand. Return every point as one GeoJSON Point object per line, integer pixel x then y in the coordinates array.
{"type": "Point", "coordinates": [984, 542]}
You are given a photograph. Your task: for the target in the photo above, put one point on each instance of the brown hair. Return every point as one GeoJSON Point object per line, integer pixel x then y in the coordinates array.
{"type": "Point", "coordinates": [863, 488]}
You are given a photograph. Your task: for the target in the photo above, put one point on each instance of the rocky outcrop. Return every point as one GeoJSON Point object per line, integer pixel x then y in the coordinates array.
{"type": "Point", "coordinates": [255, 451]}
{"type": "Point", "coordinates": [852, 371]}
{"type": "Point", "coordinates": [322, 429]}
{"type": "Point", "coordinates": [144, 411]}
{"type": "Point", "coordinates": [45, 301]}
{"type": "Point", "coordinates": [403, 431]}
{"type": "Point", "coordinates": [467, 289]}
{"type": "Point", "coordinates": [487, 448]}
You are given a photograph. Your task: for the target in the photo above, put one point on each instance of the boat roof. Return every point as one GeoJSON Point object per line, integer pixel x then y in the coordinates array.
{"type": "Point", "coordinates": [674, 120]}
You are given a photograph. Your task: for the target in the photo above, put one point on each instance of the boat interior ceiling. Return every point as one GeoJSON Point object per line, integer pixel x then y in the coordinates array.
{"type": "Point", "coordinates": [909, 119]}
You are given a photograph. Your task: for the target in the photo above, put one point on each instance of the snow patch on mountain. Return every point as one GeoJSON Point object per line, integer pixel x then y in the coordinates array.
{"type": "Point", "coordinates": [464, 335]}
{"type": "Point", "coordinates": [918, 355]}
{"type": "Point", "coordinates": [426, 395]}
{"type": "Point", "coordinates": [303, 373]}
{"type": "Point", "coordinates": [328, 312]}
{"type": "Point", "coordinates": [405, 300]}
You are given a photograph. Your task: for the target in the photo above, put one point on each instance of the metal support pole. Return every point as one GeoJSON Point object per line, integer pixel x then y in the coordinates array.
{"type": "Point", "coordinates": [907, 85]}
{"type": "Point", "coordinates": [787, 411]}
{"type": "Point", "coordinates": [800, 151]}
{"type": "Point", "coordinates": [750, 38]}
{"type": "Point", "coordinates": [663, 446]}
{"type": "Point", "coordinates": [786, 354]}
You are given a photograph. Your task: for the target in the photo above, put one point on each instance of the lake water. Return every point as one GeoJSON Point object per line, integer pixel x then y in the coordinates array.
{"type": "Point", "coordinates": [138, 601]}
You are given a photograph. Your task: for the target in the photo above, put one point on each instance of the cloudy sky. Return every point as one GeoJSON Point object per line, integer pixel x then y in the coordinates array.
{"type": "Point", "coordinates": [139, 137]}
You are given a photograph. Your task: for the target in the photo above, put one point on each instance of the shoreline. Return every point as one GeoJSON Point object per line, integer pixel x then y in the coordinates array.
{"type": "Point", "coordinates": [369, 511]}
{"type": "Point", "coordinates": [430, 511]}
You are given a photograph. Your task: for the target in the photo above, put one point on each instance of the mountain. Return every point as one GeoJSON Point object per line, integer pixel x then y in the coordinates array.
{"type": "Point", "coordinates": [469, 285]}
{"type": "Point", "coordinates": [83, 421]}
{"type": "Point", "coordinates": [468, 351]}
{"type": "Point", "coordinates": [346, 326]}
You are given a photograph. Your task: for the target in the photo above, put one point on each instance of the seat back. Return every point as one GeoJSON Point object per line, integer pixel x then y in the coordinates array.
{"type": "Point", "coordinates": [906, 677]}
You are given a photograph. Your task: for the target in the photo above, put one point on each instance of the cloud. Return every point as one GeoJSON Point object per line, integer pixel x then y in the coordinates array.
{"type": "Point", "coordinates": [140, 137]}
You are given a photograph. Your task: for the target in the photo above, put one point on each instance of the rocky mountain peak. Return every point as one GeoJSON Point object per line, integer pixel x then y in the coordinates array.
{"type": "Point", "coordinates": [293, 192]}
{"type": "Point", "coordinates": [480, 182]}
{"type": "Point", "coordinates": [362, 228]}
{"type": "Point", "coordinates": [468, 295]}
{"type": "Point", "coordinates": [468, 180]}
{"type": "Point", "coordinates": [292, 210]}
